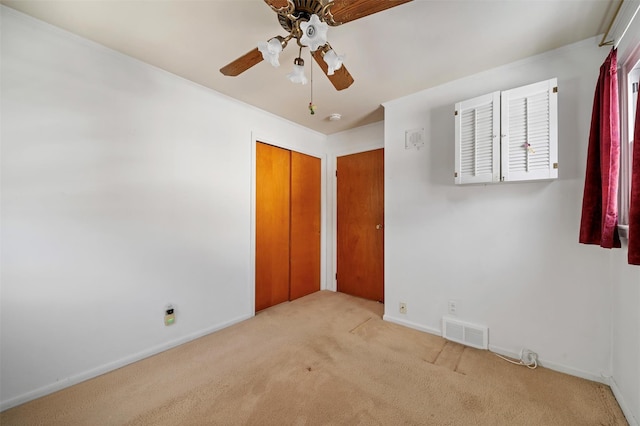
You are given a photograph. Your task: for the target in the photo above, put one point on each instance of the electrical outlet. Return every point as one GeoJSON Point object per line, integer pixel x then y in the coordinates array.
{"type": "Point", "coordinates": [453, 307]}
{"type": "Point", "coordinates": [403, 308]}
{"type": "Point", "coordinates": [169, 315]}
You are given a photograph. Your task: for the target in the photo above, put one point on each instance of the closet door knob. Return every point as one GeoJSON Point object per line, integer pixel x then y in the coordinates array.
{"type": "Point", "coordinates": [378, 226]}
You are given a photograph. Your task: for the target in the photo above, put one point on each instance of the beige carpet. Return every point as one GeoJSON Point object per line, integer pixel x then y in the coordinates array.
{"type": "Point", "coordinates": [325, 359]}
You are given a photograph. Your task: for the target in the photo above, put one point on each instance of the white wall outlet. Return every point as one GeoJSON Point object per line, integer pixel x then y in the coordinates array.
{"type": "Point", "coordinates": [403, 308]}
{"type": "Point", "coordinates": [453, 307]}
{"type": "Point", "coordinates": [169, 315]}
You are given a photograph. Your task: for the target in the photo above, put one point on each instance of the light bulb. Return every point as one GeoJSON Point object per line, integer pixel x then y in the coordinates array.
{"type": "Point", "coordinates": [314, 33]}
{"type": "Point", "coordinates": [271, 51]}
{"type": "Point", "coordinates": [297, 75]}
{"type": "Point", "coordinates": [333, 61]}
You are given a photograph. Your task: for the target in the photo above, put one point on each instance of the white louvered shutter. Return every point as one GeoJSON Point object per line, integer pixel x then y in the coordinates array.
{"type": "Point", "coordinates": [529, 146]}
{"type": "Point", "coordinates": [477, 142]}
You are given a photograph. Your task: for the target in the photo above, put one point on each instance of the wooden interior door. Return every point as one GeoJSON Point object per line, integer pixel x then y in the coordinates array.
{"type": "Point", "coordinates": [272, 225]}
{"type": "Point", "coordinates": [305, 225]}
{"type": "Point", "coordinates": [360, 225]}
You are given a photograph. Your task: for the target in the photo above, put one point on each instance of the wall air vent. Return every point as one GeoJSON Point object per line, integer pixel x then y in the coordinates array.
{"type": "Point", "coordinates": [414, 139]}
{"type": "Point", "coordinates": [473, 335]}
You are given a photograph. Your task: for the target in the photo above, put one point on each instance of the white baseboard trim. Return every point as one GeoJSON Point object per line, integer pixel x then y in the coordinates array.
{"type": "Point", "coordinates": [95, 372]}
{"type": "Point", "coordinates": [505, 352]}
{"type": "Point", "coordinates": [554, 366]}
{"type": "Point", "coordinates": [631, 419]}
{"type": "Point", "coordinates": [416, 326]}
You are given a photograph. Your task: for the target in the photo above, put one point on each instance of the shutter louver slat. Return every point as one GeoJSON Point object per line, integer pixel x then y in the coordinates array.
{"type": "Point", "coordinates": [477, 126]}
{"type": "Point", "coordinates": [527, 113]}
{"type": "Point", "coordinates": [538, 124]}
{"type": "Point", "coordinates": [467, 142]}
{"type": "Point", "coordinates": [484, 140]}
{"type": "Point", "coordinates": [518, 135]}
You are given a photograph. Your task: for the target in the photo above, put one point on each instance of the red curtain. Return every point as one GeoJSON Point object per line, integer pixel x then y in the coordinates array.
{"type": "Point", "coordinates": [634, 209]}
{"type": "Point", "coordinates": [599, 223]}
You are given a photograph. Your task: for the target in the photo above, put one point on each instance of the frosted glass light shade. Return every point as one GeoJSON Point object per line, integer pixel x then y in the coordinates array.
{"type": "Point", "coordinates": [271, 51]}
{"type": "Point", "coordinates": [314, 33]}
{"type": "Point", "coordinates": [297, 75]}
{"type": "Point", "coordinates": [333, 61]}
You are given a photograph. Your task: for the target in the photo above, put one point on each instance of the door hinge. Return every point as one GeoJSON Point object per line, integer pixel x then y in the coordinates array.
{"type": "Point", "coordinates": [455, 174]}
{"type": "Point", "coordinates": [336, 173]}
{"type": "Point", "coordinates": [555, 165]}
{"type": "Point", "coordinates": [455, 113]}
{"type": "Point", "coordinates": [336, 276]}
{"type": "Point", "coordinates": [555, 89]}
{"type": "Point", "coordinates": [635, 87]}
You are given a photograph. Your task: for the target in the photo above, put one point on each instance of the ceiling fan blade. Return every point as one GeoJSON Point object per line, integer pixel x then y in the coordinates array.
{"type": "Point", "coordinates": [242, 64]}
{"type": "Point", "coordinates": [349, 10]}
{"type": "Point", "coordinates": [341, 78]}
{"type": "Point", "coordinates": [276, 3]}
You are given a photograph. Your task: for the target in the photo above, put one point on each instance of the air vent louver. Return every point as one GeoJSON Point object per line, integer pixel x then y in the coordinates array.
{"type": "Point", "coordinates": [473, 335]}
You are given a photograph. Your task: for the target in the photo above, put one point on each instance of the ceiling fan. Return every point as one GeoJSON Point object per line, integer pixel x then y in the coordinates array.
{"type": "Point", "coordinates": [307, 21]}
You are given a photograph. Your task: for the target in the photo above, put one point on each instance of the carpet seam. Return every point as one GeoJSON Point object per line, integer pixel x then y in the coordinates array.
{"type": "Point", "coordinates": [360, 325]}
{"type": "Point", "coordinates": [435, 360]}
{"type": "Point", "coordinates": [455, 369]}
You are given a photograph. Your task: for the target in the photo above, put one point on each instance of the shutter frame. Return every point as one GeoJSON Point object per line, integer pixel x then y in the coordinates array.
{"type": "Point", "coordinates": [477, 141]}
{"type": "Point", "coordinates": [534, 121]}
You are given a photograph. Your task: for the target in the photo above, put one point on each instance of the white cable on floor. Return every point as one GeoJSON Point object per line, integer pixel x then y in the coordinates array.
{"type": "Point", "coordinates": [530, 366]}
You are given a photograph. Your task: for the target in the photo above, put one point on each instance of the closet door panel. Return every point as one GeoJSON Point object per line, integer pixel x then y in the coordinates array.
{"type": "Point", "coordinates": [305, 225]}
{"type": "Point", "coordinates": [272, 225]}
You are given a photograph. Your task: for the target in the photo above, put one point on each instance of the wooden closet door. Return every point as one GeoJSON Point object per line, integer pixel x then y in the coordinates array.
{"type": "Point", "coordinates": [361, 225]}
{"type": "Point", "coordinates": [272, 225]}
{"type": "Point", "coordinates": [305, 225]}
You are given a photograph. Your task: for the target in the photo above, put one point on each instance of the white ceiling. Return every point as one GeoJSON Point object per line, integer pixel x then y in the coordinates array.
{"type": "Point", "coordinates": [390, 54]}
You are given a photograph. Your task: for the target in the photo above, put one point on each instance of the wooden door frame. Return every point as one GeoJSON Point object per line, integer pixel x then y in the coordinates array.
{"type": "Point", "coordinates": [256, 138]}
{"type": "Point", "coordinates": [332, 283]}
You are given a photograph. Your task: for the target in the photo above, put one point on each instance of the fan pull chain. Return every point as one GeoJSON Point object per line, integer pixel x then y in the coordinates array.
{"type": "Point", "coordinates": [312, 107]}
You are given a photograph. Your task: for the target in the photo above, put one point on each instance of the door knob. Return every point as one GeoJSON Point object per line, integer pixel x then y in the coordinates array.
{"type": "Point", "coordinates": [378, 226]}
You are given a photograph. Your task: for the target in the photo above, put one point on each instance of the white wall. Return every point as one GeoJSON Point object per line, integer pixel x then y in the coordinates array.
{"type": "Point", "coordinates": [508, 253]}
{"type": "Point", "coordinates": [124, 188]}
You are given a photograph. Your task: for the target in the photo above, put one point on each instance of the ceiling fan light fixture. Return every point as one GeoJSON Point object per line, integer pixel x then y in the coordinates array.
{"type": "Point", "coordinates": [271, 51]}
{"type": "Point", "coordinates": [297, 75]}
{"type": "Point", "coordinates": [307, 22]}
{"type": "Point", "coordinates": [314, 33]}
{"type": "Point", "coordinates": [333, 61]}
